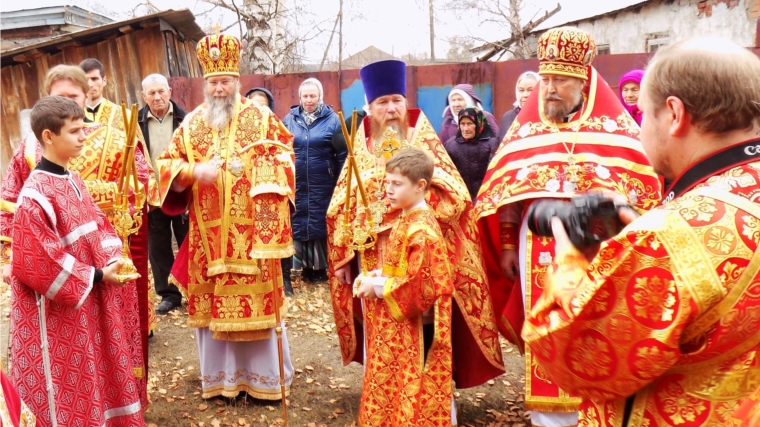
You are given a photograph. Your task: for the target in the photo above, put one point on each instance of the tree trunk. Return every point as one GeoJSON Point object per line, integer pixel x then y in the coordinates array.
{"type": "Point", "coordinates": [432, 32]}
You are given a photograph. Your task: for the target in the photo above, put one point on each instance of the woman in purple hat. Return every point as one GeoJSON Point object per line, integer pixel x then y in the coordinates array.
{"type": "Point", "coordinates": [629, 93]}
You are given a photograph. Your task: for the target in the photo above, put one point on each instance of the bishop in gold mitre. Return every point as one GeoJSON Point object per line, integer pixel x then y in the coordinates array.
{"type": "Point", "coordinates": [231, 164]}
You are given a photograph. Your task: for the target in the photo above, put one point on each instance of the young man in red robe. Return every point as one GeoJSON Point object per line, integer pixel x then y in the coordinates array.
{"type": "Point", "coordinates": [98, 166]}
{"type": "Point", "coordinates": [408, 379]}
{"type": "Point", "coordinates": [70, 312]}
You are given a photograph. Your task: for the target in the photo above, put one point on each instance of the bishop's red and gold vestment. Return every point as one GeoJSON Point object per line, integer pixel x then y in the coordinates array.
{"type": "Point", "coordinates": [597, 149]}
{"type": "Point", "coordinates": [99, 166]}
{"type": "Point", "coordinates": [402, 384]}
{"type": "Point", "coordinates": [229, 265]}
{"type": "Point", "coordinates": [473, 321]}
{"type": "Point", "coordinates": [72, 340]}
{"type": "Point", "coordinates": [667, 315]}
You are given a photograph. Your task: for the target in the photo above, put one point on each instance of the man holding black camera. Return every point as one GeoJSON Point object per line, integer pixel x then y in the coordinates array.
{"type": "Point", "coordinates": [573, 136]}
{"type": "Point", "coordinates": [662, 325]}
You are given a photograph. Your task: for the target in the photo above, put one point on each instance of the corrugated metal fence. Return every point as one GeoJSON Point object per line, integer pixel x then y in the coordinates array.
{"type": "Point", "coordinates": [427, 86]}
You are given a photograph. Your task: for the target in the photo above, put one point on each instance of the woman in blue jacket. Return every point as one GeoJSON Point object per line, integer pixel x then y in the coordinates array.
{"type": "Point", "coordinates": [318, 165]}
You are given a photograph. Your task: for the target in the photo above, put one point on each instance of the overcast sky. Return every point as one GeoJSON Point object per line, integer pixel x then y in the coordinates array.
{"type": "Point", "coordinates": [395, 26]}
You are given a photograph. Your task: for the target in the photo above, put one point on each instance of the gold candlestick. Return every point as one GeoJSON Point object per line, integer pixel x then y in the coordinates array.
{"type": "Point", "coordinates": [126, 223]}
{"type": "Point", "coordinates": [361, 238]}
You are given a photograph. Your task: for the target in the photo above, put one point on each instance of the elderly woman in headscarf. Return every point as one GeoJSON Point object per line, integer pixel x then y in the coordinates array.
{"type": "Point", "coordinates": [472, 147]}
{"type": "Point", "coordinates": [460, 97]}
{"type": "Point", "coordinates": [523, 88]}
{"type": "Point", "coordinates": [318, 165]}
{"type": "Point", "coordinates": [629, 86]}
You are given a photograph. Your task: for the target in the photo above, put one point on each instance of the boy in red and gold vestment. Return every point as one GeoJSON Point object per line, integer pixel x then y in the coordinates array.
{"type": "Point", "coordinates": [72, 319]}
{"type": "Point", "coordinates": [407, 310]}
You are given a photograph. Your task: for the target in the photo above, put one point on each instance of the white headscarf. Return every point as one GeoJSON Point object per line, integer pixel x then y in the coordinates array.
{"type": "Point", "coordinates": [469, 102]}
{"type": "Point", "coordinates": [315, 82]}
{"type": "Point", "coordinates": [531, 74]}
{"type": "Point", "coordinates": [311, 117]}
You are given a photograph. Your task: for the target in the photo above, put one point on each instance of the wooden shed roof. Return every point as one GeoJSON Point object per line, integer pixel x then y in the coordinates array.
{"type": "Point", "coordinates": [182, 21]}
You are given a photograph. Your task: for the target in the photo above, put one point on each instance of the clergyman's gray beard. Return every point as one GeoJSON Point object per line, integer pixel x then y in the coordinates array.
{"type": "Point", "coordinates": [219, 111]}
{"type": "Point", "coordinates": [557, 112]}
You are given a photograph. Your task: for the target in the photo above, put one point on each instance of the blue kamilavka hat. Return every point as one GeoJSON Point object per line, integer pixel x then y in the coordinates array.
{"type": "Point", "coordinates": [384, 78]}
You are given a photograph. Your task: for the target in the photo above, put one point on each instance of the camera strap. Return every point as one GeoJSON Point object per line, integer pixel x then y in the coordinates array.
{"type": "Point", "coordinates": [714, 164]}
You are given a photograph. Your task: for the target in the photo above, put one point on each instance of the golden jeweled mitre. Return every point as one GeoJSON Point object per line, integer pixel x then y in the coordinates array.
{"type": "Point", "coordinates": [566, 51]}
{"type": "Point", "coordinates": [219, 55]}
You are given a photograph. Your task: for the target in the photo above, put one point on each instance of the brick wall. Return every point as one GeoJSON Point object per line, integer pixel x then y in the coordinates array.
{"type": "Point", "coordinates": [705, 6]}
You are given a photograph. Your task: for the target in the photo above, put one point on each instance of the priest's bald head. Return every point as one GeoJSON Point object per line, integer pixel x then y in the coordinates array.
{"type": "Point", "coordinates": [385, 87]}
{"type": "Point", "coordinates": [683, 121]}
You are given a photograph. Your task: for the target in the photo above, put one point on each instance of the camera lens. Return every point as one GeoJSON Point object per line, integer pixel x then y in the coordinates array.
{"type": "Point", "coordinates": [540, 216]}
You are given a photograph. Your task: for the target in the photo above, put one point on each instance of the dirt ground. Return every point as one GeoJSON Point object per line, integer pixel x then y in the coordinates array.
{"type": "Point", "coordinates": [324, 392]}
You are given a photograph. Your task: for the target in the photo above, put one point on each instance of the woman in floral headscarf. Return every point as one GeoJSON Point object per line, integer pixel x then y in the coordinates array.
{"type": "Point", "coordinates": [472, 147]}
{"type": "Point", "coordinates": [629, 86]}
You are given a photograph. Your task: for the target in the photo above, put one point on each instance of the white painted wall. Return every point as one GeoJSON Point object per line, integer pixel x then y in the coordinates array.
{"type": "Point", "coordinates": [627, 31]}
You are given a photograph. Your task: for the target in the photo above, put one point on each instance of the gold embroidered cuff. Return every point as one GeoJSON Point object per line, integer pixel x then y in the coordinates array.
{"type": "Point", "coordinates": [508, 247]}
{"type": "Point", "coordinates": [185, 177]}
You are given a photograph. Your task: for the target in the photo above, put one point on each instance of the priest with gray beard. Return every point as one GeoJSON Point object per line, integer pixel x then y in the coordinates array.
{"type": "Point", "coordinates": [231, 164]}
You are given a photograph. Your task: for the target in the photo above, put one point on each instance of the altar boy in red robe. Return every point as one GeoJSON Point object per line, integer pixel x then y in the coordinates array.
{"type": "Point", "coordinates": [71, 316]}
{"type": "Point", "coordinates": [407, 310]}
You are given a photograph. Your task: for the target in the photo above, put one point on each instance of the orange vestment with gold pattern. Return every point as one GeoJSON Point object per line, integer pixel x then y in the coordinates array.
{"type": "Point", "coordinates": [668, 313]}
{"type": "Point", "coordinates": [240, 224]}
{"type": "Point", "coordinates": [474, 324]}
{"type": "Point", "coordinates": [596, 150]}
{"type": "Point", "coordinates": [402, 386]}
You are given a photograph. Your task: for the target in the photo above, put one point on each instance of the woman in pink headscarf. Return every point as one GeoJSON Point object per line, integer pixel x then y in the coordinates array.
{"type": "Point", "coordinates": [629, 87]}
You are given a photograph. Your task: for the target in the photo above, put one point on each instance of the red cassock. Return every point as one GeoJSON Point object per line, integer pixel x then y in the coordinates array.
{"type": "Point", "coordinates": [72, 339]}
{"type": "Point", "coordinates": [98, 167]}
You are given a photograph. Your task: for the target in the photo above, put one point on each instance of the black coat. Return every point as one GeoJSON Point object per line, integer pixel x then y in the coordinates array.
{"type": "Point", "coordinates": [178, 115]}
{"type": "Point", "coordinates": [506, 122]}
{"type": "Point", "coordinates": [471, 158]}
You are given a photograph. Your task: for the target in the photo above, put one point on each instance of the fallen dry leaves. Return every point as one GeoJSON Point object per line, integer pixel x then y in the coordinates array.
{"type": "Point", "coordinates": [323, 393]}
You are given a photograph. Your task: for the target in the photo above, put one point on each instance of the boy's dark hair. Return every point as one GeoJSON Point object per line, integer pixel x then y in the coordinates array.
{"type": "Point", "coordinates": [51, 113]}
{"type": "Point", "coordinates": [414, 164]}
{"type": "Point", "coordinates": [90, 64]}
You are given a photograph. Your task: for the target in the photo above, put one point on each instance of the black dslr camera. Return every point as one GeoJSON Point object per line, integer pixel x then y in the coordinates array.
{"type": "Point", "coordinates": [588, 219]}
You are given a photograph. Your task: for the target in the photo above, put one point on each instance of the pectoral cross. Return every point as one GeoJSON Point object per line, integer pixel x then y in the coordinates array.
{"type": "Point", "coordinates": [390, 144]}
{"type": "Point", "coordinates": [378, 208]}
{"type": "Point", "coordinates": [572, 171]}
